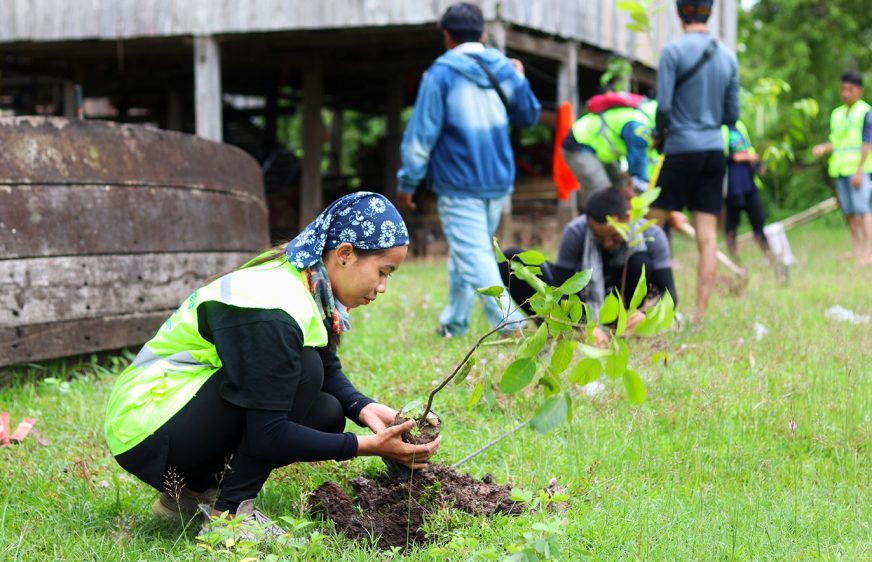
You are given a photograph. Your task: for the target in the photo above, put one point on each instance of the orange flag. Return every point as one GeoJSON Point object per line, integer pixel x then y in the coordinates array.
{"type": "Point", "coordinates": [563, 177]}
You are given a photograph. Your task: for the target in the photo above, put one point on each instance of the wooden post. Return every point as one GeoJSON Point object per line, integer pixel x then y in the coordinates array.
{"type": "Point", "coordinates": [207, 88]}
{"type": "Point", "coordinates": [567, 90]}
{"type": "Point", "coordinates": [336, 131]}
{"type": "Point", "coordinates": [496, 33]}
{"type": "Point", "coordinates": [394, 136]}
{"type": "Point", "coordinates": [270, 120]}
{"type": "Point", "coordinates": [174, 111]}
{"type": "Point", "coordinates": [311, 195]}
{"type": "Point", "coordinates": [70, 109]}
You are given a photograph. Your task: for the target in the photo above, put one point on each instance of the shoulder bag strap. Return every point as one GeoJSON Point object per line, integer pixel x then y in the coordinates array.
{"type": "Point", "coordinates": [492, 79]}
{"type": "Point", "coordinates": [706, 55]}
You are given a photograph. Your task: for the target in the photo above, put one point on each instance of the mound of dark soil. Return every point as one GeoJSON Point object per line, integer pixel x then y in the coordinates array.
{"type": "Point", "coordinates": [382, 507]}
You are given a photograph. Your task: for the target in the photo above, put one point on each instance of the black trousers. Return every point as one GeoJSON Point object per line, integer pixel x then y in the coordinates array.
{"type": "Point", "coordinates": [520, 291]}
{"type": "Point", "coordinates": [750, 203]}
{"type": "Point", "coordinates": [204, 446]}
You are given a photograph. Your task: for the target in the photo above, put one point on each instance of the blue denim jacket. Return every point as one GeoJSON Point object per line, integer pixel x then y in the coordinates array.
{"type": "Point", "coordinates": [458, 136]}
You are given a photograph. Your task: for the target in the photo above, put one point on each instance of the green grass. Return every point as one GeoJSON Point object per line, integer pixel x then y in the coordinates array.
{"type": "Point", "coordinates": [707, 469]}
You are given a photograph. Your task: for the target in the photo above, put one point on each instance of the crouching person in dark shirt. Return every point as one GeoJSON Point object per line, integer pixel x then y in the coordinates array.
{"type": "Point", "coordinates": [590, 242]}
{"type": "Point", "coordinates": [244, 378]}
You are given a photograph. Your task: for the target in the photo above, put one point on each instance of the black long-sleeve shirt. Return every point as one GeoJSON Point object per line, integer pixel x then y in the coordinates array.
{"type": "Point", "coordinates": [260, 352]}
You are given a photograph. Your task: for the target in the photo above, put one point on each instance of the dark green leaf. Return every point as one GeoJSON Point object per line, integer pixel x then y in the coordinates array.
{"type": "Point", "coordinates": [640, 292]}
{"type": "Point", "coordinates": [531, 257]}
{"type": "Point", "coordinates": [616, 363]}
{"type": "Point", "coordinates": [635, 387]}
{"type": "Point", "coordinates": [575, 283]}
{"type": "Point", "coordinates": [518, 375]}
{"type": "Point", "coordinates": [494, 291]}
{"type": "Point", "coordinates": [551, 384]}
{"type": "Point", "coordinates": [585, 371]}
{"type": "Point", "coordinates": [461, 374]}
{"type": "Point", "coordinates": [556, 326]}
{"type": "Point", "coordinates": [551, 414]}
{"type": "Point", "coordinates": [562, 356]}
{"type": "Point", "coordinates": [535, 343]}
{"type": "Point", "coordinates": [609, 310]}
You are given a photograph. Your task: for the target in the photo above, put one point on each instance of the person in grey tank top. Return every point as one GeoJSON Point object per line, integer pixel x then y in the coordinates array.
{"type": "Point", "coordinates": [697, 92]}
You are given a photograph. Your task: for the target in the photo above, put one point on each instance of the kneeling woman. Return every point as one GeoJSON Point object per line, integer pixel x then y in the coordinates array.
{"type": "Point", "coordinates": [244, 378]}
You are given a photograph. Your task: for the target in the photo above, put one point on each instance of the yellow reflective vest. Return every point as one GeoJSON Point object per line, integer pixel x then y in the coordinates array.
{"type": "Point", "coordinates": [846, 136]}
{"type": "Point", "coordinates": [172, 366]}
{"type": "Point", "coordinates": [602, 131]}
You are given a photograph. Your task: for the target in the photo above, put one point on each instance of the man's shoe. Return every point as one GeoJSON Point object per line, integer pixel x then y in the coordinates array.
{"type": "Point", "coordinates": [443, 331]}
{"type": "Point", "coordinates": [168, 506]}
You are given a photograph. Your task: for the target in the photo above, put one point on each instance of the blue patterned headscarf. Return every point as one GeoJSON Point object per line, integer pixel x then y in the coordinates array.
{"type": "Point", "coordinates": [368, 221]}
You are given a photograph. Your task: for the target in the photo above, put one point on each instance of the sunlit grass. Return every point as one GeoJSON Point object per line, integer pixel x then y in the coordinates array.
{"type": "Point", "coordinates": [746, 448]}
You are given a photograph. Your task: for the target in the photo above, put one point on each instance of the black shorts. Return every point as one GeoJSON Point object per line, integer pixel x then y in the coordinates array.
{"type": "Point", "coordinates": [694, 180]}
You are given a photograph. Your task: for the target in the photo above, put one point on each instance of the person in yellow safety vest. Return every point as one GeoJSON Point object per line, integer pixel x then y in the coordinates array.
{"type": "Point", "coordinates": [649, 108]}
{"type": "Point", "coordinates": [597, 142]}
{"type": "Point", "coordinates": [246, 370]}
{"type": "Point", "coordinates": [850, 164]}
{"type": "Point", "coordinates": [742, 184]}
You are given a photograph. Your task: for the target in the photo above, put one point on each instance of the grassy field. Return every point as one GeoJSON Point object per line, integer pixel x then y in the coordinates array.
{"type": "Point", "coordinates": [750, 445]}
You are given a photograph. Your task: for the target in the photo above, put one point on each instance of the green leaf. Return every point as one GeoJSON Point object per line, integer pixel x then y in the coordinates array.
{"type": "Point", "coordinates": [609, 310]}
{"type": "Point", "coordinates": [556, 326]}
{"type": "Point", "coordinates": [635, 387]}
{"type": "Point", "coordinates": [661, 357]}
{"type": "Point", "coordinates": [575, 283]}
{"type": "Point", "coordinates": [532, 257]}
{"type": "Point", "coordinates": [475, 397]}
{"type": "Point", "coordinates": [616, 364]}
{"type": "Point", "coordinates": [494, 291]}
{"type": "Point", "coordinates": [622, 322]}
{"type": "Point", "coordinates": [551, 414]}
{"type": "Point", "coordinates": [640, 292]}
{"type": "Point", "coordinates": [518, 375]}
{"type": "Point", "coordinates": [461, 374]}
{"type": "Point", "coordinates": [488, 388]}
{"type": "Point", "coordinates": [521, 495]}
{"type": "Point", "coordinates": [594, 352]}
{"type": "Point", "coordinates": [647, 198]}
{"type": "Point", "coordinates": [412, 406]}
{"type": "Point", "coordinates": [501, 257]}
{"type": "Point", "coordinates": [535, 343]}
{"type": "Point", "coordinates": [522, 272]}
{"type": "Point", "coordinates": [585, 371]}
{"type": "Point", "coordinates": [551, 384]}
{"type": "Point", "coordinates": [638, 27]}
{"type": "Point", "coordinates": [562, 356]}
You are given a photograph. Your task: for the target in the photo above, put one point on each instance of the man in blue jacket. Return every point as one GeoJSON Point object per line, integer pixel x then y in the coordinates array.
{"type": "Point", "coordinates": [458, 139]}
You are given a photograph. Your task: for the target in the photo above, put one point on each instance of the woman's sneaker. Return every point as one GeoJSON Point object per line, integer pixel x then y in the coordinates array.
{"type": "Point", "coordinates": [168, 506]}
{"type": "Point", "coordinates": [247, 525]}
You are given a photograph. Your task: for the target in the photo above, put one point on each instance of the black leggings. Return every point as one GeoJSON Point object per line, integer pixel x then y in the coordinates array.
{"type": "Point", "coordinates": [194, 447]}
{"type": "Point", "coordinates": [553, 275]}
{"type": "Point", "coordinates": [749, 202]}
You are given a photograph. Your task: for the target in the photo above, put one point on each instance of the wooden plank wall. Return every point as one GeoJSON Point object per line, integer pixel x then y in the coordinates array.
{"type": "Point", "coordinates": [595, 22]}
{"type": "Point", "coordinates": [53, 20]}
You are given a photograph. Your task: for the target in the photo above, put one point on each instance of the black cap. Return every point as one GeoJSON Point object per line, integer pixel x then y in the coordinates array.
{"type": "Point", "coordinates": [694, 11]}
{"type": "Point", "coordinates": [852, 77]}
{"type": "Point", "coordinates": [463, 21]}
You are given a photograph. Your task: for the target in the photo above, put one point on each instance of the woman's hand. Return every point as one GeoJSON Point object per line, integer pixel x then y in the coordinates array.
{"type": "Point", "coordinates": [387, 443]}
{"type": "Point", "coordinates": [600, 337]}
{"type": "Point", "coordinates": [377, 416]}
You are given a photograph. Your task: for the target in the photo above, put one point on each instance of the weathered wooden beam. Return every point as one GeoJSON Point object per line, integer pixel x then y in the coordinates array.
{"type": "Point", "coordinates": [56, 289]}
{"type": "Point", "coordinates": [58, 339]}
{"type": "Point", "coordinates": [567, 77]}
{"type": "Point", "coordinates": [394, 136]}
{"type": "Point", "coordinates": [540, 46]}
{"type": "Point", "coordinates": [207, 88]}
{"type": "Point", "coordinates": [311, 194]}
{"type": "Point", "coordinates": [337, 129]}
